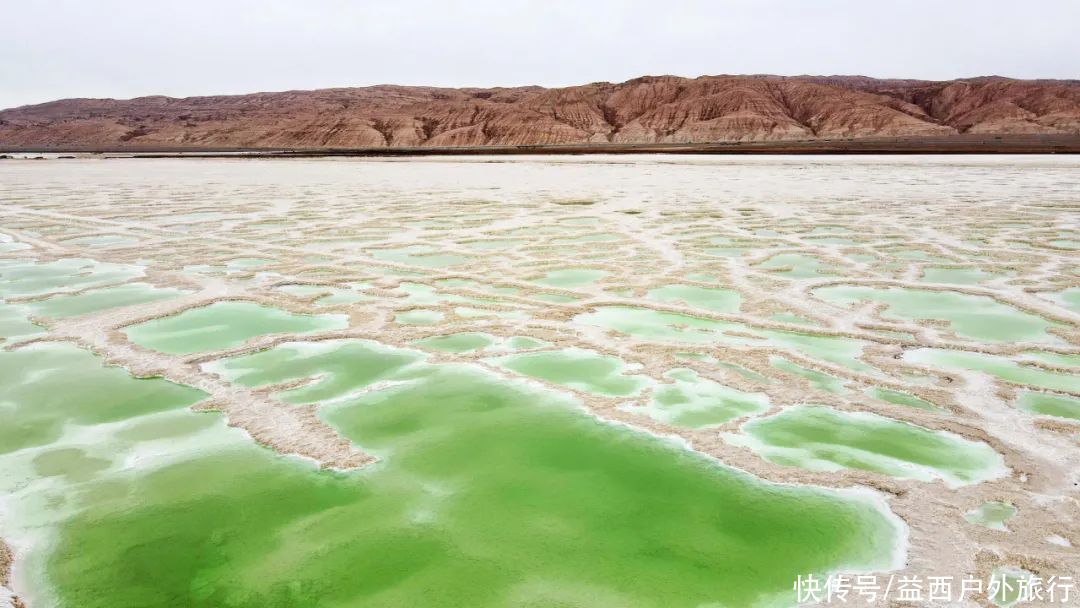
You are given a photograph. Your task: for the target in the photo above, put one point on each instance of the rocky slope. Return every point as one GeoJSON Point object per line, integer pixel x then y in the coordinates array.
{"type": "Point", "coordinates": [664, 109]}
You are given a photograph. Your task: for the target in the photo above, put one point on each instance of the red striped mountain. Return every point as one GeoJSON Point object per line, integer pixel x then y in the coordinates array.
{"type": "Point", "coordinates": [662, 109]}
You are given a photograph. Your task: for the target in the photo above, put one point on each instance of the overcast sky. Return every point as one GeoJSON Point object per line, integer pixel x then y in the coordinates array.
{"type": "Point", "coordinates": [126, 48]}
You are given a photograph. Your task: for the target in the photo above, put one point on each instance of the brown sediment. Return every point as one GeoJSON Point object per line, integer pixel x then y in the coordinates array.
{"type": "Point", "coordinates": [7, 558]}
{"type": "Point", "coordinates": [7, 562]}
{"type": "Point", "coordinates": [682, 204]}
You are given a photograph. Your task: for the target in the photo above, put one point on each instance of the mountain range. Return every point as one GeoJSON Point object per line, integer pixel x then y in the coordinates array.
{"type": "Point", "coordinates": [646, 110]}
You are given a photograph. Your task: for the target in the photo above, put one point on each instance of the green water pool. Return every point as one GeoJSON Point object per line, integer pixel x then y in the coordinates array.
{"type": "Point", "coordinates": [901, 398]}
{"type": "Point", "coordinates": [28, 278]}
{"type": "Point", "coordinates": [1048, 404]}
{"type": "Point", "coordinates": [692, 401]}
{"type": "Point", "coordinates": [488, 493]}
{"type": "Point", "coordinates": [571, 277]}
{"type": "Point", "coordinates": [710, 298]}
{"type": "Point", "coordinates": [96, 300]}
{"type": "Point", "coordinates": [576, 368]}
{"type": "Point", "coordinates": [224, 325]}
{"type": "Point", "coordinates": [997, 366]}
{"type": "Point", "coordinates": [991, 514]}
{"type": "Point", "coordinates": [969, 316]}
{"type": "Point", "coordinates": [821, 438]}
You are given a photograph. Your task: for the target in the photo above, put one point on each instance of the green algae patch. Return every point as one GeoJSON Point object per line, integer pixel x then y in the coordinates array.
{"type": "Point", "coordinates": [1000, 367]}
{"type": "Point", "coordinates": [900, 398]}
{"type": "Point", "coordinates": [579, 369]}
{"type": "Point", "coordinates": [824, 439]}
{"type": "Point", "coordinates": [710, 298]}
{"type": "Point", "coordinates": [224, 325]}
{"type": "Point", "coordinates": [694, 402]}
{"type": "Point", "coordinates": [1047, 404]}
{"type": "Point", "coordinates": [44, 387]}
{"type": "Point", "coordinates": [97, 300]}
{"type": "Point", "coordinates": [991, 514]}
{"type": "Point", "coordinates": [72, 463]}
{"type": "Point", "coordinates": [489, 492]}
{"type": "Point", "coordinates": [969, 316]}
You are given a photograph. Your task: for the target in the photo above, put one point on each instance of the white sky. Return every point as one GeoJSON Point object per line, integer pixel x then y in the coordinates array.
{"type": "Point", "coordinates": [126, 48]}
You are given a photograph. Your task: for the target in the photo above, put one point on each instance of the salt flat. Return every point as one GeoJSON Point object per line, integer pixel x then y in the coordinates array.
{"type": "Point", "coordinates": [633, 380]}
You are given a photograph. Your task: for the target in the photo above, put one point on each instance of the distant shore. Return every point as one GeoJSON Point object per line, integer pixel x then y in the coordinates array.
{"type": "Point", "coordinates": [954, 144]}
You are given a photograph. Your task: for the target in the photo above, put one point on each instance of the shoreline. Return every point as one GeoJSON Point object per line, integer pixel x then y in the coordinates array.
{"type": "Point", "coordinates": [946, 145]}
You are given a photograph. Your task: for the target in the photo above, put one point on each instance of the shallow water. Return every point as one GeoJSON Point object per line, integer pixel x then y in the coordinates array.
{"type": "Point", "coordinates": [991, 515]}
{"type": "Point", "coordinates": [14, 323]}
{"type": "Point", "coordinates": [719, 300]}
{"type": "Point", "coordinates": [1049, 405]}
{"type": "Point", "coordinates": [956, 276]}
{"type": "Point", "coordinates": [223, 325]}
{"type": "Point", "coordinates": [647, 324]}
{"type": "Point", "coordinates": [999, 367]}
{"type": "Point", "coordinates": [46, 387]}
{"type": "Point", "coordinates": [796, 266]}
{"type": "Point", "coordinates": [579, 369]}
{"type": "Point", "coordinates": [653, 325]}
{"type": "Point", "coordinates": [818, 380]}
{"type": "Point", "coordinates": [456, 343]}
{"type": "Point", "coordinates": [694, 402]}
{"type": "Point", "coordinates": [32, 278]}
{"type": "Point", "coordinates": [820, 438]}
{"type": "Point", "coordinates": [972, 317]}
{"type": "Point", "coordinates": [901, 398]}
{"type": "Point", "coordinates": [491, 492]}
{"type": "Point", "coordinates": [571, 277]}
{"type": "Point", "coordinates": [100, 299]}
